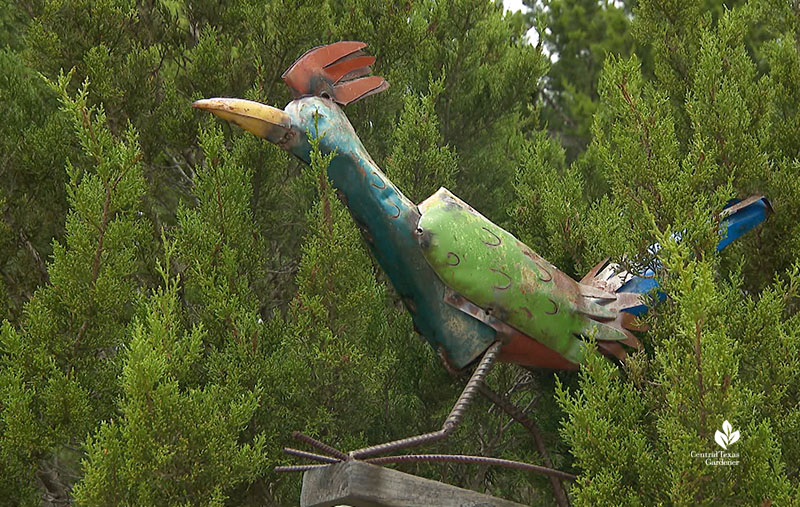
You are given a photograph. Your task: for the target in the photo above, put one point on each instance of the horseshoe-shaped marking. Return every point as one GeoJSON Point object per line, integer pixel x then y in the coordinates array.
{"type": "Point", "coordinates": [505, 275]}
{"type": "Point", "coordinates": [538, 265]}
{"type": "Point", "coordinates": [398, 211]}
{"type": "Point", "coordinates": [383, 183]}
{"type": "Point", "coordinates": [455, 256]}
{"type": "Point", "coordinates": [549, 275]}
{"type": "Point", "coordinates": [493, 234]}
{"type": "Point", "coordinates": [555, 308]}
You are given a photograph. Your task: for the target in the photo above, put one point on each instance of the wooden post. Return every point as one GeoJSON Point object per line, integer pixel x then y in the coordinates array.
{"type": "Point", "coordinates": [361, 484]}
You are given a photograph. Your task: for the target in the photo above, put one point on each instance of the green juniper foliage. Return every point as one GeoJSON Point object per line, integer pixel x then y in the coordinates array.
{"type": "Point", "coordinates": [61, 369]}
{"type": "Point", "coordinates": [417, 141]}
{"type": "Point", "coordinates": [579, 34]}
{"type": "Point", "coordinates": [671, 148]}
{"type": "Point", "coordinates": [169, 441]}
{"type": "Point", "coordinates": [177, 296]}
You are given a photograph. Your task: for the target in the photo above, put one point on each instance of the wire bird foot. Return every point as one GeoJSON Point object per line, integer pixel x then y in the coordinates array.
{"type": "Point", "coordinates": [411, 458]}
{"type": "Point", "coordinates": [331, 455]}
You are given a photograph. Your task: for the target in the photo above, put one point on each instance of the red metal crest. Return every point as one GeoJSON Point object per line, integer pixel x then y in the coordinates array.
{"type": "Point", "coordinates": [338, 71]}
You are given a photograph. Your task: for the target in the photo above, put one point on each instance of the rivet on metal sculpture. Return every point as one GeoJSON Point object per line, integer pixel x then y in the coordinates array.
{"type": "Point", "coordinates": [474, 291]}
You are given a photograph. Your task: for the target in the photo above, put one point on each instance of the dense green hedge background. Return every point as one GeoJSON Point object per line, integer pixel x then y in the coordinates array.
{"type": "Point", "coordinates": [175, 300]}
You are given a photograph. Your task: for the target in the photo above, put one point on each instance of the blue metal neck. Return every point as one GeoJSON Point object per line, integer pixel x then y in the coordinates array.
{"type": "Point", "coordinates": [388, 222]}
{"type": "Point", "coordinates": [374, 201]}
{"type": "Point", "coordinates": [386, 218]}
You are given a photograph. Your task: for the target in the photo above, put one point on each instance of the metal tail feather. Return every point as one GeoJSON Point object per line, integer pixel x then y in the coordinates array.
{"type": "Point", "coordinates": [738, 218]}
{"type": "Point", "coordinates": [619, 291]}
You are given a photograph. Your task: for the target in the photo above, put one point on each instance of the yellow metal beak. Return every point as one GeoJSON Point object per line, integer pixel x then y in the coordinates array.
{"type": "Point", "coordinates": [264, 121]}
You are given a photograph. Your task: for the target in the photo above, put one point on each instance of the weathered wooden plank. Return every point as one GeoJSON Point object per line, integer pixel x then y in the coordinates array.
{"type": "Point", "coordinates": [360, 484]}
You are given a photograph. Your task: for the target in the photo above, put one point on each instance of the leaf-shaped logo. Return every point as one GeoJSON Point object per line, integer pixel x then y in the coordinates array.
{"type": "Point", "coordinates": [727, 436]}
{"type": "Point", "coordinates": [721, 439]}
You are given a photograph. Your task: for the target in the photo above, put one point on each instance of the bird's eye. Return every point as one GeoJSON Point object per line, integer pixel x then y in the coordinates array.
{"type": "Point", "coordinates": [325, 95]}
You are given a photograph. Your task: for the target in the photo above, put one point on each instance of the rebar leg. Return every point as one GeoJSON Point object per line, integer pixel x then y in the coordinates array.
{"type": "Point", "coordinates": [313, 442]}
{"type": "Point", "coordinates": [333, 455]}
{"type": "Point", "coordinates": [452, 421]}
{"type": "Point", "coordinates": [518, 415]}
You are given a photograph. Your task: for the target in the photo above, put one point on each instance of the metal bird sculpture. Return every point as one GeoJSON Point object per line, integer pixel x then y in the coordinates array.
{"type": "Point", "coordinates": [474, 291]}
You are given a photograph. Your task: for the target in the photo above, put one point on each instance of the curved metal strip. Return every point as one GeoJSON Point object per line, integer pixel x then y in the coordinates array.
{"type": "Point", "coordinates": [383, 183]}
{"type": "Point", "coordinates": [510, 281]}
{"type": "Point", "coordinates": [549, 274]}
{"type": "Point", "coordinates": [451, 255]}
{"type": "Point", "coordinates": [532, 257]}
{"type": "Point", "coordinates": [499, 241]}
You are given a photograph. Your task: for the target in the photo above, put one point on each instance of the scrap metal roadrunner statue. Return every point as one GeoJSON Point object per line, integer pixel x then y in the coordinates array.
{"type": "Point", "coordinates": [474, 291]}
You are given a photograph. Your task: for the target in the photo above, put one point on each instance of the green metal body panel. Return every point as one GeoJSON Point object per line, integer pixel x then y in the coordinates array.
{"type": "Point", "coordinates": [491, 268]}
